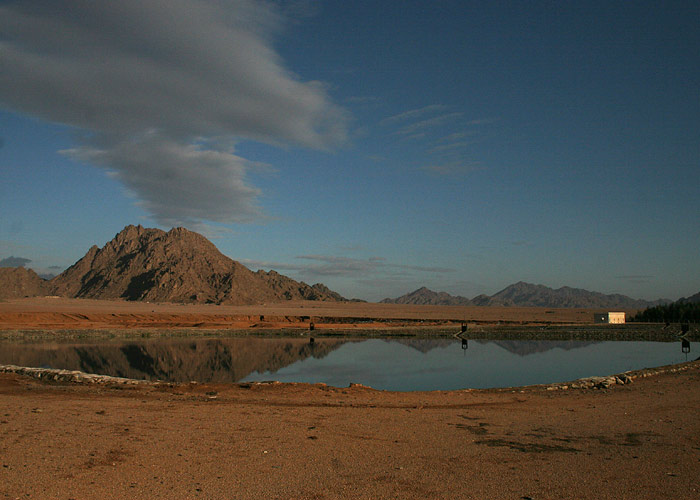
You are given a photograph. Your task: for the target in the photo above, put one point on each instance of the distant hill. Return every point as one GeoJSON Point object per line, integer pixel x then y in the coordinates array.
{"type": "Point", "coordinates": [424, 296]}
{"type": "Point", "coordinates": [523, 294]}
{"type": "Point", "coordinates": [526, 294]}
{"type": "Point", "coordinates": [684, 310]}
{"type": "Point", "coordinates": [18, 282]}
{"type": "Point", "coordinates": [693, 299]}
{"type": "Point", "coordinates": [175, 266]}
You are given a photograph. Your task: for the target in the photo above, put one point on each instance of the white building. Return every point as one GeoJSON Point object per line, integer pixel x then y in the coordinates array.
{"type": "Point", "coordinates": [609, 317]}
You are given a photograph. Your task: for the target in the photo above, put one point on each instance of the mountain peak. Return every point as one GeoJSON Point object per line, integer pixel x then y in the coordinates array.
{"type": "Point", "coordinates": [178, 266]}
{"type": "Point", "coordinates": [20, 282]}
{"type": "Point", "coordinates": [425, 296]}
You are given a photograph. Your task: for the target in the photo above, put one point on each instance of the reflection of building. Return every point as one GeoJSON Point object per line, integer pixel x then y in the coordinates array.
{"type": "Point", "coordinates": [609, 317]}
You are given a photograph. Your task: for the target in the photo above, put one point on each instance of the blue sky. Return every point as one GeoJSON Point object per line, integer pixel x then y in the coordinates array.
{"type": "Point", "coordinates": [374, 146]}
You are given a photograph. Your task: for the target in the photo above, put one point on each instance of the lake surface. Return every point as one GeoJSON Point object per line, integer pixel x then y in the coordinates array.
{"type": "Point", "coordinates": [390, 364]}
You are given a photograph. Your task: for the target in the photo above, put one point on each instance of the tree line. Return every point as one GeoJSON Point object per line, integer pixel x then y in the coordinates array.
{"type": "Point", "coordinates": [676, 312]}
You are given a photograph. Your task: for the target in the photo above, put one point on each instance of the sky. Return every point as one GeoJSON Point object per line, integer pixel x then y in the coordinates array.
{"type": "Point", "coordinates": [374, 146]}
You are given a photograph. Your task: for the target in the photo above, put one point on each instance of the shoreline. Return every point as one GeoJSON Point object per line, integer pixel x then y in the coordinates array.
{"type": "Point", "coordinates": [625, 332]}
{"type": "Point", "coordinates": [593, 382]}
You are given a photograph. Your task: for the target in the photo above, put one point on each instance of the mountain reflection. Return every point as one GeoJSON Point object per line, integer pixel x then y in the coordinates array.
{"type": "Point", "coordinates": [527, 347]}
{"type": "Point", "coordinates": [203, 360]}
{"type": "Point", "coordinates": [519, 347]}
{"type": "Point", "coordinates": [404, 364]}
{"type": "Point", "coordinates": [423, 345]}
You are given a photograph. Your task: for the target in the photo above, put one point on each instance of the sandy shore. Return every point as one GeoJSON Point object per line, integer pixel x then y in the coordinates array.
{"type": "Point", "coordinates": [93, 441]}
{"type": "Point", "coordinates": [637, 441]}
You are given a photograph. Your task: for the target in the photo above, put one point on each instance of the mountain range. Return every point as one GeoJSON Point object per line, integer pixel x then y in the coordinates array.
{"type": "Point", "coordinates": [145, 264]}
{"type": "Point", "coordinates": [153, 265]}
{"type": "Point", "coordinates": [523, 294]}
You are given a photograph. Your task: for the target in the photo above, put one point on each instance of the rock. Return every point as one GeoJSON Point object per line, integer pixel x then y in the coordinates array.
{"type": "Point", "coordinates": [624, 379]}
{"type": "Point", "coordinates": [606, 382]}
{"type": "Point", "coordinates": [67, 376]}
{"type": "Point", "coordinates": [359, 386]}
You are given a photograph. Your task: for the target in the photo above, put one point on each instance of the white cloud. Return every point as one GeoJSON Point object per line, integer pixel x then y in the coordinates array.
{"type": "Point", "coordinates": [155, 78]}
{"type": "Point", "coordinates": [180, 184]}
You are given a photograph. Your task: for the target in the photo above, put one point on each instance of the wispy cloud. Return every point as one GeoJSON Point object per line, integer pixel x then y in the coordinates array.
{"type": "Point", "coordinates": [319, 266]}
{"type": "Point", "coordinates": [449, 146]}
{"type": "Point", "coordinates": [300, 9]}
{"type": "Point", "coordinates": [637, 278]}
{"type": "Point", "coordinates": [363, 100]}
{"type": "Point", "coordinates": [441, 137]}
{"type": "Point", "coordinates": [162, 99]}
{"type": "Point", "coordinates": [456, 136]}
{"type": "Point", "coordinates": [427, 123]}
{"type": "Point", "coordinates": [452, 168]}
{"type": "Point", "coordinates": [413, 113]}
{"type": "Point", "coordinates": [14, 262]}
{"type": "Point", "coordinates": [415, 137]}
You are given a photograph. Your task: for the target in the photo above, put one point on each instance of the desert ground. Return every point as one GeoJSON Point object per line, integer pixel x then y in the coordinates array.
{"type": "Point", "coordinates": [61, 313]}
{"type": "Point", "coordinates": [155, 440]}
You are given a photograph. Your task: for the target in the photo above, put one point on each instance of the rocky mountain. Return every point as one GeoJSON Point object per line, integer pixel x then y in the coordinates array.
{"type": "Point", "coordinates": [17, 282]}
{"type": "Point", "coordinates": [693, 299]}
{"type": "Point", "coordinates": [175, 266]}
{"type": "Point", "coordinates": [425, 296]}
{"type": "Point", "coordinates": [529, 295]}
{"type": "Point", "coordinates": [523, 294]}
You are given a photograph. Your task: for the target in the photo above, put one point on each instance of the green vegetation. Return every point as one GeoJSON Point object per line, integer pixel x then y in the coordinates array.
{"type": "Point", "coordinates": [676, 312]}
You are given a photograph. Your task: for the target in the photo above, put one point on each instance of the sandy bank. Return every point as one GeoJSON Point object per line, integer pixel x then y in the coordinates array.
{"type": "Point", "coordinates": [636, 440]}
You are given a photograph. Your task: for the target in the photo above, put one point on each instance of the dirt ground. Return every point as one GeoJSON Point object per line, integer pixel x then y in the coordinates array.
{"type": "Point", "coordinates": [636, 441]}
{"type": "Point", "coordinates": [44, 312]}
{"type": "Point", "coordinates": [249, 441]}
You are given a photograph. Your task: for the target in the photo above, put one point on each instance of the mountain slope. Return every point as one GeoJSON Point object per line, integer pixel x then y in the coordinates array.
{"type": "Point", "coordinates": [175, 266]}
{"type": "Point", "coordinates": [528, 295]}
{"type": "Point", "coordinates": [523, 294]}
{"type": "Point", "coordinates": [693, 299]}
{"type": "Point", "coordinates": [19, 282]}
{"type": "Point", "coordinates": [425, 296]}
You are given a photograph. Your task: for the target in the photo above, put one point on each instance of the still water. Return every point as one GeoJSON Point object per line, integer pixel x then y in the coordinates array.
{"type": "Point", "coordinates": [389, 364]}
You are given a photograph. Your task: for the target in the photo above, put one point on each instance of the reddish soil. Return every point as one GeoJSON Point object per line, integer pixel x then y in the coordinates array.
{"type": "Point", "coordinates": [637, 441]}
{"type": "Point", "coordinates": [58, 313]}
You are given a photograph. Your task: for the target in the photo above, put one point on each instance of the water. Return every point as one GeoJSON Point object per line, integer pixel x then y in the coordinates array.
{"type": "Point", "coordinates": [395, 366]}
{"type": "Point", "coordinates": [390, 364]}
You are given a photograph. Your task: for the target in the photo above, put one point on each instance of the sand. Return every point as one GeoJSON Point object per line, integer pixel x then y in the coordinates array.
{"type": "Point", "coordinates": [83, 441]}
{"type": "Point", "coordinates": [61, 313]}
{"type": "Point", "coordinates": [640, 440]}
